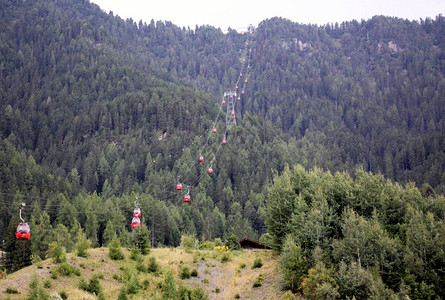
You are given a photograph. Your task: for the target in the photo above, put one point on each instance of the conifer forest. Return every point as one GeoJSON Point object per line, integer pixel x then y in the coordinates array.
{"type": "Point", "coordinates": [331, 149]}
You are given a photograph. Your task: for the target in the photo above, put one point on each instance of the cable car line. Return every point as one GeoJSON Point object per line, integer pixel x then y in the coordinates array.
{"type": "Point", "coordinates": [232, 98]}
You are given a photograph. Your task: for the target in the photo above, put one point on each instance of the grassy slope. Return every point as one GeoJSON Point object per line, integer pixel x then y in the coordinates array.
{"type": "Point", "coordinates": [220, 280]}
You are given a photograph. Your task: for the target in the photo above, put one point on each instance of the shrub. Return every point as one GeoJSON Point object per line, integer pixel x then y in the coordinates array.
{"type": "Point", "coordinates": [57, 253]}
{"type": "Point", "coordinates": [194, 273]}
{"type": "Point", "coordinates": [47, 284]}
{"type": "Point", "coordinates": [66, 269]}
{"type": "Point", "coordinates": [93, 287]}
{"type": "Point", "coordinates": [122, 294]}
{"type": "Point", "coordinates": [218, 242]}
{"type": "Point", "coordinates": [193, 293]}
{"type": "Point", "coordinates": [259, 281]}
{"type": "Point", "coordinates": [141, 239]}
{"type": "Point", "coordinates": [141, 268]}
{"type": "Point", "coordinates": [225, 258]}
{"type": "Point", "coordinates": [63, 295]}
{"type": "Point", "coordinates": [185, 273]}
{"type": "Point", "coordinates": [320, 284]}
{"type": "Point", "coordinates": [36, 292]}
{"type": "Point", "coordinates": [237, 296]}
{"type": "Point", "coordinates": [169, 286]}
{"type": "Point", "coordinates": [11, 290]}
{"type": "Point", "coordinates": [115, 250]}
{"type": "Point", "coordinates": [355, 281]}
{"type": "Point", "coordinates": [82, 246]}
{"type": "Point", "coordinates": [207, 245]}
{"type": "Point", "coordinates": [132, 285]}
{"type": "Point", "coordinates": [257, 263]}
{"type": "Point", "coordinates": [293, 264]}
{"type": "Point", "coordinates": [188, 242]}
{"type": "Point", "coordinates": [233, 242]}
{"type": "Point", "coordinates": [135, 254]}
{"type": "Point", "coordinates": [288, 296]}
{"type": "Point", "coordinates": [146, 284]}
{"type": "Point", "coordinates": [153, 266]}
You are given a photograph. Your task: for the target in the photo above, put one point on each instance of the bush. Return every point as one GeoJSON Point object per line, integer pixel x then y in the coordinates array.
{"type": "Point", "coordinates": [257, 263]}
{"type": "Point", "coordinates": [135, 254]}
{"type": "Point", "coordinates": [93, 287]}
{"type": "Point", "coordinates": [188, 242]}
{"type": "Point", "coordinates": [47, 284]}
{"type": "Point", "coordinates": [218, 242]}
{"type": "Point", "coordinates": [132, 285]}
{"type": "Point", "coordinates": [11, 290]}
{"type": "Point", "coordinates": [115, 250]}
{"type": "Point", "coordinates": [141, 239]}
{"type": "Point", "coordinates": [194, 273]}
{"type": "Point", "coordinates": [293, 264]}
{"type": "Point", "coordinates": [259, 281]}
{"type": "Point", "coordinates": [82, 246]}
{"type": "Point", "coordinates": [225, 258]}
{"type": "Point", "coordinates": [320, 284]}
{"type": "Point", "coordinates": [355, 281]}
{"type": "Point", "coordinates": [207, 245]}
{"type": "Point", "coordinates": [233, 242]}
{"type": "Point", "coordinates": [57, 253]}
{"type": "Point", "coordinates": [196, 293]}
{"type": "Point", "coordinates": [66, 269]}
{"type": "Point", "coordinates": [288, 296]}
{"type": "Point", "coordinates": [122, 294]}
{"type": "Point", "coordinates": [36, 292]}
{"type": "Point", "coordinates": [141, 268]}
{"type": "Point", "coordinates": [169, 286]}
{"type": "Point", "coordinates": [63, 295]}
{"type": "Point", "coordinates": [153, 266]}
{"type": "Point", "coordinates": [185, 273]}
{"type": "Point", "coordinates": [146, 284]}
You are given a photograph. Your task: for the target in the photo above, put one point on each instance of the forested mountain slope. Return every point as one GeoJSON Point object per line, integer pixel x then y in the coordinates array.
{"type": "Point", "coordinates": [81, 108]}
{"type": "Point", "coordinates": [367, 93]}
{"type": "Point", "coordinates": [96, 111]}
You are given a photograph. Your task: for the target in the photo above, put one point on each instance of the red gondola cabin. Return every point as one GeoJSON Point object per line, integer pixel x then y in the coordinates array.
{"type": "Point", "coordinates": [23, 232]}
{"type": "Point", "coordinates": [179, 186]}
{"type": "Point", "coordinates": [223, 142]}
{"type": "Point", "coordinates": [214, 130]}
{"type": "Point", "coordinates": [187, 198]}
{"type": "Point", "coordinates": [137, 212]}
{"type": "Point", "coordinates": [136, 222]}
{"type": "Point", "coordinates": [210, 171]}
{"type": "Point", "coordinates": [201, 158]}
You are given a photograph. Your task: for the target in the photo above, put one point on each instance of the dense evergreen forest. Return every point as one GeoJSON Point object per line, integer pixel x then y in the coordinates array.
{"type": "Point", "coordinates": [96, 111]}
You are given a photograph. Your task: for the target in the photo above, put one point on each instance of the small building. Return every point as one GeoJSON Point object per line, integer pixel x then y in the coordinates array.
{"type": "Point", "coordinates": [251, 245]}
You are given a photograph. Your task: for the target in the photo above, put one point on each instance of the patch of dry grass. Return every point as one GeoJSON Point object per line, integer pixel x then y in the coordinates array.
{"type": "Point", "coordinates": [222, 280]}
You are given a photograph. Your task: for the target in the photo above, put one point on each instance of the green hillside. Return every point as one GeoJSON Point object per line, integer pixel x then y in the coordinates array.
{"type": "Point", "coordinates": [337, 157]}
{"type": "Point", "coordinates": [213, 278]}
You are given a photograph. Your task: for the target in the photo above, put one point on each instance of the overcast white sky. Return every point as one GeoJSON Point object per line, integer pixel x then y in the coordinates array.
{"type": "Point", "coordinates": [238, 14]}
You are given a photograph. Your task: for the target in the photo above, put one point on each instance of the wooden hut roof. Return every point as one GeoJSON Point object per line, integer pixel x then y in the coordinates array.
{"type": "Point", "coordinates": [248, 243]}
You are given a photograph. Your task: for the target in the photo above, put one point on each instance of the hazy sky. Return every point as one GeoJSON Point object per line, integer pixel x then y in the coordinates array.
{"type": "Point", "coordinates": [238, 14]}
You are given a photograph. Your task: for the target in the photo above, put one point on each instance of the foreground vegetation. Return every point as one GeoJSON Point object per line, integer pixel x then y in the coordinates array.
{"type": "Point", "coordinates": [357, 235]}
{"type": "Point", "coordinates": [96, 111]}
{"type": "Point", "coordinates": [164, 273]}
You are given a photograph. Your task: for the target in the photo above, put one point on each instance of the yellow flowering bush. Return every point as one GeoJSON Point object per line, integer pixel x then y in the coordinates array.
{"type": "Point", "coordinates": [221, 248]}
